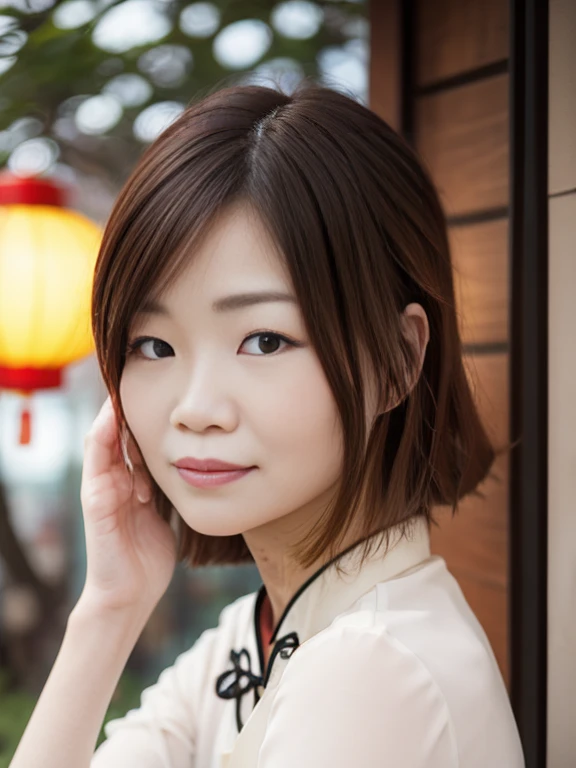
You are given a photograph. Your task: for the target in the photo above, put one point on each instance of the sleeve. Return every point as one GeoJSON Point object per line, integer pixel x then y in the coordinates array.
{"type": "Point", "coordinates": [161, 733]}
{"type": "Point", "coordinates": [353, 696]}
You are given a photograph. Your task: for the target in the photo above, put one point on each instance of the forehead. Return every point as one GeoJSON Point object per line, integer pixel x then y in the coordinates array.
{"type": "Point", "coordinates": [236, 254]}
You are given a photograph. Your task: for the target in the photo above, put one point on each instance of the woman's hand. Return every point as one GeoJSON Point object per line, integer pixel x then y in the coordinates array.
{"type": "Point", "coordinates": [131, 551]}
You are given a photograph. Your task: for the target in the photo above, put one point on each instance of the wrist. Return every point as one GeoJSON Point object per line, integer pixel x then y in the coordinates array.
{"type": "Point", "coordinates": [92, 615]}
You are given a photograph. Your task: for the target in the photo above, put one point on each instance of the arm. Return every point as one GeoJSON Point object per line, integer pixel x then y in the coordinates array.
{"type": "Point", "coordinates": [357, 697]}
{"type": "Point", "coordinates": [163, 731]}
{"type": "Point", "coordinates": [131, 553]}
{"type": "Point", "coordinates": [66, 721]}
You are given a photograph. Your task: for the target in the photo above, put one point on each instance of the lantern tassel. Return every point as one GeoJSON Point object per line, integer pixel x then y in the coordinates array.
{"type": "Point", "coordinates": [25, 426]}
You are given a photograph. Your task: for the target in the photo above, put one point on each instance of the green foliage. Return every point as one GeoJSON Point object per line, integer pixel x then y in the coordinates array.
{"type": "Point", "coordinates": [16, 708]}
{"type": "Point", "coordinates": [56, 68]}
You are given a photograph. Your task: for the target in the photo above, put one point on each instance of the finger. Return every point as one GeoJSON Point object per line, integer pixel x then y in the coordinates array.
{"type": "Point", "coordinates": [101, 442]}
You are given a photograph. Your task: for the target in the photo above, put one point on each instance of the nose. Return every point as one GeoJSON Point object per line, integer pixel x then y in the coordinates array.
{"type": "Point", "coordinates": [204, 400]}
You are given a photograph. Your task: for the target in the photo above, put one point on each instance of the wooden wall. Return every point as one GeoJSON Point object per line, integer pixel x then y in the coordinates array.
{"type": "Point", "coordinates": [457, 110]}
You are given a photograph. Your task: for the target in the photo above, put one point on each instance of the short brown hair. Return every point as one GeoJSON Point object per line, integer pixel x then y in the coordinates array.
{"type": "Point", "coordinates": [363, 234]}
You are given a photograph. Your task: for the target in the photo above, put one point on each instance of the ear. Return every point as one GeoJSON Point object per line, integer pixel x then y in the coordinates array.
{"type": "Point", "coordinates": [417, 331]}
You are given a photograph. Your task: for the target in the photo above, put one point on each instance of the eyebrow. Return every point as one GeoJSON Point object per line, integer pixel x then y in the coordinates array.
{"type": "Point", "coordinates": [226, 303]}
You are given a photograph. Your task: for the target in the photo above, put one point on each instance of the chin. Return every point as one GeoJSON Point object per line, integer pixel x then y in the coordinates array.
{"type": "Point", "coordinates": [210, 526]}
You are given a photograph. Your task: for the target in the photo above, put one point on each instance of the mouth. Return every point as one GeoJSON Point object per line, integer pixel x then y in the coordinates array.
{"type": "Point", "coordinates": [213, 478]}
{"type": "Point", "coordinates": [208, 465]}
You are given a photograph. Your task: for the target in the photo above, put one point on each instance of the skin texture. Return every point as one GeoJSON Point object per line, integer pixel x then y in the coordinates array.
{"type": "Point", "coordinates": [206, 391]}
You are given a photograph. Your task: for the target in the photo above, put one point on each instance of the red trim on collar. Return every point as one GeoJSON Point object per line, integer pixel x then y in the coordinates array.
{"type": "Point", "coordinates": [266, 621]}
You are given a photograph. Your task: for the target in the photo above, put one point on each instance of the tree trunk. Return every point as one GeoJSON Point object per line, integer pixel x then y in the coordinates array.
{"type": "Point", "coordinates": [21, 650]}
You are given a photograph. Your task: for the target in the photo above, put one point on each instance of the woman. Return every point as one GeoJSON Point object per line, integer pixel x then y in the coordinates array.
{"type": "Point", "coordinates": [274, 319]}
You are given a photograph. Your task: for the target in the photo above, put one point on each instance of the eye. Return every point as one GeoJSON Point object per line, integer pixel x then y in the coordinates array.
{"type": "Point", "coordinates": [152, 346]}
{"type": "Point", "coordinates": [268, 343]}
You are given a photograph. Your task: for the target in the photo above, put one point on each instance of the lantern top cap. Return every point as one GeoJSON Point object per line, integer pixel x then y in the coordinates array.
{"type": "Point", "coordinates": [30, 190]}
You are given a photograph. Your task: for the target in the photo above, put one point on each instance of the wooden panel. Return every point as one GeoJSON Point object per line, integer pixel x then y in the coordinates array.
{"type": "Point", "coordinates": [385, 56]}
{"type": "Point", "coordinates": [474, 542]}
{"type": "Point", "coordinates": [462, 135]}
{"type": "Point", "coordinates": [455, 36]}
{"type": "Point", "coordinates": [480, 259]}
{"type": "Point", "coordinates": [488, 377]}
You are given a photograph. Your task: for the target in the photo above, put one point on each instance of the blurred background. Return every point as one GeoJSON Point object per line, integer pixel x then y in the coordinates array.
{"type": "Point", "coordinates": [85, 85]}
{"type": "Point", "coordinates": [484, 90]}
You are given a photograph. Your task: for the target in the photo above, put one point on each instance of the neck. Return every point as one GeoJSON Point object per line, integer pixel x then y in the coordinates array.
{"type": "Point", "coordinates": [269, 545]}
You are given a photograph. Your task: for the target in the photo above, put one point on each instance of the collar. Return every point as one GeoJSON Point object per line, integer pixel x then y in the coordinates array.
{"type": "Point", "coordinates": [330, 591]}
{"type": "Point", "coordinates": [327, 593]}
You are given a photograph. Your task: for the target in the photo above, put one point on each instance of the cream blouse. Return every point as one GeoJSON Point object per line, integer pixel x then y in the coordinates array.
{"type": "Point", "coordinates": [384, 666]}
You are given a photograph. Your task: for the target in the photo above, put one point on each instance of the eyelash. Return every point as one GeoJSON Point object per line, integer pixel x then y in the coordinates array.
{"type": "Point", "coordinates": [133, 347]}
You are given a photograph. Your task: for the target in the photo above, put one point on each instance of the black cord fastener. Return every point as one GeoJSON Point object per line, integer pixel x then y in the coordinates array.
{"type": "Point", "coordinates": [235, 682]}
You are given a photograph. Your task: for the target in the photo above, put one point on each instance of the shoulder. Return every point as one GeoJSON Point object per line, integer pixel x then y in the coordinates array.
{"type": "Point", "coordinates": [179, 691]}
{"type": "Point", "coordinates": [354, 694]}
{"type": "Point", "coordinates": [361, 658]}
{"type": "Point", "coordinates": [410, 652]}
{"type": "Point", "coordinates": [425, 612]}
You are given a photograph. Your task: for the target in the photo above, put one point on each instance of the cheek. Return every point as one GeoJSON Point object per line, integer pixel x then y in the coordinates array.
{"type": "Point", "coordinates": [300, 430]}
{"type": "Point", "coordinates": [130, 398]}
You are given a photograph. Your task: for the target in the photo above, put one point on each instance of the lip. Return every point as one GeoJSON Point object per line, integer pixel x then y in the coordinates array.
{"type": "Point", "coordinates": [212, 479]}
{"type": "Point", "coordinates": [207, 465]}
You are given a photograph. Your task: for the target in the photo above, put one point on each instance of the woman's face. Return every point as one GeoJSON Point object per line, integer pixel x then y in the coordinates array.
{"type": "Point", "coordinates": [222, 383]}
